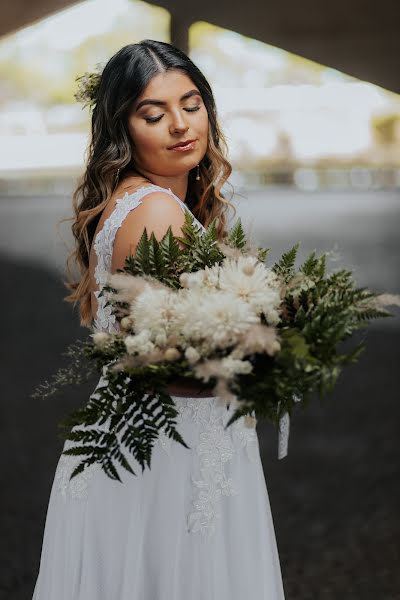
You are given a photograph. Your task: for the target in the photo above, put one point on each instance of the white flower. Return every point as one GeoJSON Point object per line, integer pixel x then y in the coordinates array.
{"type": "Point", "coordinates": [253, 282]}
{"type": "Point", "coordinates": [190, 280]}
{"type": "Point", "coordinates": [184, 279]}
{"type": "Point", "coordinates": [224, 368]}
{"type": "Point", "coordinates": [140, 344]}
{"type": "Point", "coordinates": [160, 339]}
{"type": "Point", "coordinates": [192, 355]}
{"type": "Point", "coordinates": [207, 369]}
{"type": "Point", "coordinates": [172, 354]}
{"type": "Point", "coordinates": [205, 278]}
{"type": "Point", "coordinates": [216, 317]}
{"type": "Point", "coordinates": [229, 251]}
{"type": "Point", "coordinates": [126, 323]}
{"type": "Point", "coordinates": [211, 276]}
{"type": "Point", "coordinates": [232, 366]}
{"type": "Point", "coordinates": [127, 286]}
{"type": "Point", "coordinates": [100, 338]}
{"type": "Point", "coordinates": [154, 310]}
{"type": "Point", "coordinates": [258, 338]}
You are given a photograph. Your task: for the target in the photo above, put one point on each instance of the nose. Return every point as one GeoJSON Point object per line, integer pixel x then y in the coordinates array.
{"type": "Point", "coordinates": [178, 123]}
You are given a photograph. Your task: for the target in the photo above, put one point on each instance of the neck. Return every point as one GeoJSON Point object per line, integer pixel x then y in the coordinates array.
{"type": "Point", "coordinates": [177, 183]}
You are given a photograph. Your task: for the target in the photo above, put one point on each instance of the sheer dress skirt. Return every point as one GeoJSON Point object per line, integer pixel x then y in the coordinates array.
{"type": "Point", "coordinates": [197, 525]}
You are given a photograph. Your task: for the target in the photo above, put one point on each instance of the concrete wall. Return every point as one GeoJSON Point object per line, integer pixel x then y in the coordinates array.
{"type": "Point", "coordinates": [358, 37]}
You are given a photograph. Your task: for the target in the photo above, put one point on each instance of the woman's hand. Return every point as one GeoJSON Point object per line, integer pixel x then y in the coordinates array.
{"type": "Point", "coordinates": [190, 387]}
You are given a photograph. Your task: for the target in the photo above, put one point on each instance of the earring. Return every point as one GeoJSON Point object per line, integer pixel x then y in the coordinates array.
{"type": "Point", "coordinates": [198, 173]}
{"type": "Point", "coordinates": [117, 176]}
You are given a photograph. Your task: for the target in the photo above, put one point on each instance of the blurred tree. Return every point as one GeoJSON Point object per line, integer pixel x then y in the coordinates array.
{"type": "Point", "coordinates": [386, 129]}
{"type": "Point", "coordinates": [45, 75]}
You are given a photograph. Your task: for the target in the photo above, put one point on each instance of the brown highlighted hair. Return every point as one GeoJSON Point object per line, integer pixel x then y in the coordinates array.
{"type": "Point", "coordinates": [122, 81]}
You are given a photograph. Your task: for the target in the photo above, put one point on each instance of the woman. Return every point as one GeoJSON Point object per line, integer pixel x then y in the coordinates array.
{"type": "Point", "coordinates": [198, 524]}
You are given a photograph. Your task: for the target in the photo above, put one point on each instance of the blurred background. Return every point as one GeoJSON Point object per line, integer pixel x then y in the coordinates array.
{"type": "Point", "coordinates": [309, 101]}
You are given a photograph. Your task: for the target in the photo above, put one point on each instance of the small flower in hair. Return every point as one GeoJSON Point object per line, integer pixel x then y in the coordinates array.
{"type": "Point", "coordinates": [88, 85]}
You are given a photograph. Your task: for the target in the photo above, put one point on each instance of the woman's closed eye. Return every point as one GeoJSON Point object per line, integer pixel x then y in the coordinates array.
{"type": "Point", "coordinates": [155, 119]}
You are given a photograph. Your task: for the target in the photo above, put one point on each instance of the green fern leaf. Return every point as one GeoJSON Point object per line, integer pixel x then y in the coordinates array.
{"type": "Point", "coordinates": [142, 253]}
{"type": "Point", "coordinates": [157, 265]}
{"type": "Point", "coordinates": [236, 236]}
{"type": "Point", "coordinates": [170, 249]}
{"type": "Point", "coordinates": [314, 266]}
{"type": "Point", "coordinates": [285, 266]}
{"type": "Point", "coordinates": [190, 234]}
{"type": "Point", "coordinates": [262, 254]}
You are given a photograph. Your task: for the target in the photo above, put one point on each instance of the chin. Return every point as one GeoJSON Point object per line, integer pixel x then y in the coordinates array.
{"type": "Point", "coordinates": [183, 167]}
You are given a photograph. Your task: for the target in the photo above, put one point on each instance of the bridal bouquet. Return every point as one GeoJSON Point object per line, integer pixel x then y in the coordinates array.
{"type": "Point", "coordinates": [262, 337]}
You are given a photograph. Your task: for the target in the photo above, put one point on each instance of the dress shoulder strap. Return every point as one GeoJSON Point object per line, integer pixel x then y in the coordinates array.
{"type": "Point", "coordinates": [157, 188]}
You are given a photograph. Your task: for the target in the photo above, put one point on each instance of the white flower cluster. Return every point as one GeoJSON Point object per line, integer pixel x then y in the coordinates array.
{"type": "Point", "coordinates": [217, 309]}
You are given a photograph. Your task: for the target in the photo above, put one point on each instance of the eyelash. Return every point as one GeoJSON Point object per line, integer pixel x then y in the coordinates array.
{"type": "Point", "coordinates": [155, 119]}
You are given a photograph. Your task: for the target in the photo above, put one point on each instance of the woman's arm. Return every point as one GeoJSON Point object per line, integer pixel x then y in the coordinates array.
{"type": "Point", "coordinates": [157, 212]}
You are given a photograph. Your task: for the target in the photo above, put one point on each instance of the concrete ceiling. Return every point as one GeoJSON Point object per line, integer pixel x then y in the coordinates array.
{"type": "Point", "coordinates": [359, 37]}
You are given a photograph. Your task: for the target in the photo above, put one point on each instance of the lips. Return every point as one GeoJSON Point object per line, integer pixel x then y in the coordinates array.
{"type": "Point", "coordinates": [180, 144]}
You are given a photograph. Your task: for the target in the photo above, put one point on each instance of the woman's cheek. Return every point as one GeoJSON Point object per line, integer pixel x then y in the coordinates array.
{"type": "Point", "coordinates": [147, 142]}
{"type": "Point", "coordinates": [205, 126]}
{"type": "Point", "coordinates": [204, 135]}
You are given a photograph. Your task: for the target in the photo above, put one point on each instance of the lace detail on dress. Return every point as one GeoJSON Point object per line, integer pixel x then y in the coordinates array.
{"type": "Point", "coordinates": [215, 448]}
{"type": "Point", "coordinates": [246, 437]}
{"type": "Point", "coordinates": [78, 487]}
{"type": "Point", "coordinates": [103, 246]}
{"type": "Point", "coordinates": [164, 441]}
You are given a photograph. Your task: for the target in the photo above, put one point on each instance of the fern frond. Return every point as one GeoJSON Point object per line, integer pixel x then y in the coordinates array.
{"type": "Point", "coordinates": [135, 419]}
{"type": "Point", "coordinates": [142, 253]}
{"type": "Point", "coordinates": [170, 249]}
{"type": "Point", "coordinates": [314, 266]}
{"type": "Point", "coordinates": [262, 254]}
{"type": "Point", "coordinates": [285, 266]}
{"type": "Point", "coordinates": [236, 236]}
{"type": "Point", "coordinates": [189, 231]}
{"type": "Point", "coordinates": [157, 263]}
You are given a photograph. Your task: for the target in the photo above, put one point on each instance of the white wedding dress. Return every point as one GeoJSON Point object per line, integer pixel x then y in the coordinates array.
{"type": "Point", "coordinates": [196, 526]}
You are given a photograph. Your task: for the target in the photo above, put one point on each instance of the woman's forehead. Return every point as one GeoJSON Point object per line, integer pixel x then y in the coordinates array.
{"type": "Point", "coordinates": [167, 86]}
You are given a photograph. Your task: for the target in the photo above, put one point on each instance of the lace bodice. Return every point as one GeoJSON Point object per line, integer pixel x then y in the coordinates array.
{"type": "Point", "coordinates": [104, 243]}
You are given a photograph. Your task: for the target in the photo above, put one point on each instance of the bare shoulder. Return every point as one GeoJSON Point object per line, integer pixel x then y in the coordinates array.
{"type": "Point", "coordinates": [158, 210]}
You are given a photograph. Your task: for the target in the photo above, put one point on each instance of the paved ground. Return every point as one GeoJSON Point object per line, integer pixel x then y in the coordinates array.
{"type": "Point", "coordinates": [334, 498]}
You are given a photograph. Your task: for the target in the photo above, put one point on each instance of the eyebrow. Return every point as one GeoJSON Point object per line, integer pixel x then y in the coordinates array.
{"type": "Point", "coordinates": [162, 103]}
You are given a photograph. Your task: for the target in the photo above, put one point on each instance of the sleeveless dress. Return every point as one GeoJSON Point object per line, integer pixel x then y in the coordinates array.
{"type": "Point", "coordinates": [196, 526]}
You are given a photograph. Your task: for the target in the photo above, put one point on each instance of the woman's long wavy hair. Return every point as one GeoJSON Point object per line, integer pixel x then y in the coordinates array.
{"type": "Point", "coordinates": [122, 81]}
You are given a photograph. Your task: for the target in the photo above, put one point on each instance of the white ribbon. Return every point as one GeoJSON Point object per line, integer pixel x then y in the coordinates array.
{"type": "Point", "coordinates": [283, 436]}
{"type": "Point", "coordinates": [284, 430]}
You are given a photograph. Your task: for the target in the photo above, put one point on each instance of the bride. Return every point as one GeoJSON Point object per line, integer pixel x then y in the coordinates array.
{"type": "Point", "coordinates": [198, 524]}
